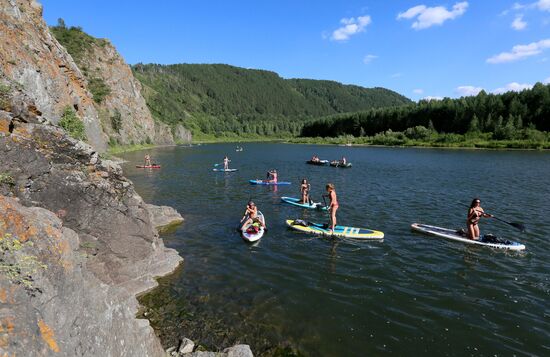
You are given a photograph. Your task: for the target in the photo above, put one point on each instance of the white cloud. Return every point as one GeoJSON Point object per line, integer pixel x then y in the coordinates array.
{"type": "Point", "coordinates": [518, 24]}
{"type": "Point", "coordinates": [418, 91]}
{"type": "Point", "coordinates": [369, 58]}
{"type": "Point", "coordinates": [543, 5]}
{"type": "Point", "coordinates": [430, 16]}
{"type": "Point", "coordinates": [546, 81]}
{"type": "Point", "coordinates": [513, 87]}
{"type": "Point", "coordinates": [396, 75]}
{"type": "Point", "coordinates": [466, 91]}
{"type": "Point", "coordinates": [352, 26]}
{"type": "Point", "coordinates": [520, 52]}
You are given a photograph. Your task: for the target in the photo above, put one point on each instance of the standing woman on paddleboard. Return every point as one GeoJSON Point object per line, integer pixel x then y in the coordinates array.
{"type": "Point", "coordinates": [304, 189]}
{"type": "Point", "coordinates": [226, 163]}
{"type": "Point", "coordinates": [474, 215]}
{"type": "Point", "coordinates": [333, 205]}
{"type": "Point", "coordinates": [147, 160]}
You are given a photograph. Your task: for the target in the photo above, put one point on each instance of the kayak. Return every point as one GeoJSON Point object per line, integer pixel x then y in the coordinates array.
{"type": "Point", "coordinates": [339, 231]}
{"type": "Point", "coordinates": [487, 240]}
{"type": "Point", "coordinates": [253, 231]}
{"type": "Point", "coordinates": [225, 170]}
{"type": "Point", "coordinates": [318, 163]}
{"type": "Point", "coordinates": [148, 166]}
{"type": "Point", "coordinates": [339, 164]}
{"type": "Point", "coordinates": [262, 182]}
{"type": "Point", "coordinates": [296, 202]}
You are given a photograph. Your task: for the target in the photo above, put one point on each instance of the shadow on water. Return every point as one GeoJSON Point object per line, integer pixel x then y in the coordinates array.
{"type": "Point", "coordinates": [409, 294]}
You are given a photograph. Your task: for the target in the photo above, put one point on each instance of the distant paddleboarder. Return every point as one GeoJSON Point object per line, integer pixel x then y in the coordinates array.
{"type": "Point", "coordinates": [147, 160]}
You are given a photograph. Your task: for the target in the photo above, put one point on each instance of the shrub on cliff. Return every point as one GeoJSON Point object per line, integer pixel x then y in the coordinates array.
{"type": "Point", "coordinates": [4, 96]}
{"type": "Point", "coordinates": [99, 89]}
{"type": "Point", "coordinates": [72, 124]}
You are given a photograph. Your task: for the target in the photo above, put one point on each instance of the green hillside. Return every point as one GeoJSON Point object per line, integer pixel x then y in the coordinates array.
{"type": "Point", "coordinates": [512, 119]}
{"type": "Point", "coordinates": [227, 101]}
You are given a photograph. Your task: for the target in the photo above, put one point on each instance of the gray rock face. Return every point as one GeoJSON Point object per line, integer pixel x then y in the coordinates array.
{"type": "Point", "coordinates": [182, 135]}
{"type": "Point", "coordinates": [62, 309]}
{"type": "Point", "coordinates": [162, 216]}
{"type": "Point", "coordinates": [115, 253]}
{"type": "Point", "coordinates": [137, 125]}
{"type": "Point", "coordinates": [32, 57]}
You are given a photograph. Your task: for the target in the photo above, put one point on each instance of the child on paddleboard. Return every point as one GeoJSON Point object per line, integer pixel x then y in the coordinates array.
{"type": "Point", "coordinates": [333, 206]}
{"type": "Point", "coordinates": [474, 215]}
{"type": "Point", "coordinates": [272, 176]}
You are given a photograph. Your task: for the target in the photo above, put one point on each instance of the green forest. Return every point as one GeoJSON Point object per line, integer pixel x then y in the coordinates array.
{"type": "Point", "coordinates": [510, 120]}
{"type": "Point", "coordinates": [223, 101]}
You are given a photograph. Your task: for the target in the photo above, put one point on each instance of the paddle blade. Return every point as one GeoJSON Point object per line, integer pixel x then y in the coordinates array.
{"type": "Point", "coordinates": [519, 226]}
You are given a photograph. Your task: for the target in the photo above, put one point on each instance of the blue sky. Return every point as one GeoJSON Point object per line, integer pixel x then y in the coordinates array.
{"type": "Point", "coordinates": [417, 48]}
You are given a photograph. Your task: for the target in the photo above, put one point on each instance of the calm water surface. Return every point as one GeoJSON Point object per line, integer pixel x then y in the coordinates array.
{"type": "Point", "coordinates": [409, 294]}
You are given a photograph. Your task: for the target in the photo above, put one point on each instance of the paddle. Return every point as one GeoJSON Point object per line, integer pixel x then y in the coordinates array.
{"type": "Point", "coordinates": [328, 211]}
{"type": "Point", "coordinates": [520, 226]}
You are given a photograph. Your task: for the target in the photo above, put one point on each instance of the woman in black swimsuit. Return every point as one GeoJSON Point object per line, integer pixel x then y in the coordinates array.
{"type": "Point", "coordinates": [474, 215]}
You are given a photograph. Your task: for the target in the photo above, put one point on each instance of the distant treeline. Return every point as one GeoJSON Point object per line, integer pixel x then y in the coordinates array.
{"type": "Point", "coordinates": [508, 116]}
{"type": "Point", "coordinates": [225, 100]}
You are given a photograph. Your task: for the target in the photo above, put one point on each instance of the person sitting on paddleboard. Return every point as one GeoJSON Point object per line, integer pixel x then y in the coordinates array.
{"type": "Point", "coordinates": [343, 161]}
{"type": "Point", "coordinates": [251, 215]}
{"type": "Point", "coordinates": [147, 160]}
{"type": "Point", "coordinates": [333, 206]}
{"type": "Point", "coordinates": [304, 189]}
{"type": "Point", "coordinates": [226, 163]}
{"type": "Point", "coordinates": [474, 215]}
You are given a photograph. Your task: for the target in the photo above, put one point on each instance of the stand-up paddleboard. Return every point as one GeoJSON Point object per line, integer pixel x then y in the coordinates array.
{"type": "Point", "coordinates": [337, 163]}
{"type": "Point", "coordinates": [487, 240]}
{"type": "Point", "coordinates": [225, 170]}
{"type": "Point", "coordinates": [339, 231]}
{"type": "Point", "coordinates": [296, 202]}
{"type": "Point", "coordinates": [148, 166]}
{"type": "Point", "coordinates": [262, 182]}
{"type": "Point", "coordinates": [254, 231]}
{"type": "Point", "coordinates": [318, 163]}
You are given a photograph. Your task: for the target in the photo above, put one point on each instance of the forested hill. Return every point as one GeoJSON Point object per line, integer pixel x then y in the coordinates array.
{"type": "Point", "coordinates": [510, 116]}
{"type": "Point", "coordinates": [224, 100]}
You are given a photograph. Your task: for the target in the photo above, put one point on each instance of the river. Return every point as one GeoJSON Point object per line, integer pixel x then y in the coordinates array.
{"type": "Point", "coordinates": [409, 294]}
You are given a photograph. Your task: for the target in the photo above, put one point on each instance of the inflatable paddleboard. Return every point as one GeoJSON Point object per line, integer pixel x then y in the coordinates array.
{"type": "Point", "coordinates": [318, 163]}
{"type": "Point", "coordinates": [262, 182]}
{"type": "Point", "coordinates": [148, 166]}
{"type": "Point", "coordinates": [296, 202]}
{"type": "Point", "coordinates": [224, 170]}
{"type": "Point", "coordinates": [337, 163]}
{"type": "Point", "coordinates": [339, 231]}
{"type": "Point", "coordinates": [487, 240]}
{"type": "Point", "coordinates": [254, 231]}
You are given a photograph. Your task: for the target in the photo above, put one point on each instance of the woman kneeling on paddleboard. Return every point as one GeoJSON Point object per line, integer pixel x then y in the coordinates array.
{"type": "Point", "coordinates": [333, 206]}
{"type": "Point", "coordinates": [474, 215]}
{"type": "Point", "coordinates": [252, 213]}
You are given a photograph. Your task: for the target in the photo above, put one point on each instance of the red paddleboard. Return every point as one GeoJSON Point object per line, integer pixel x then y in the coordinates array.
{"type": "Point", "coordinates": [148, 166]}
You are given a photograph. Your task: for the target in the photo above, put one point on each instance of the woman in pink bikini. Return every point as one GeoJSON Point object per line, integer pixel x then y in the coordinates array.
{"type": "Point", "coordinates": [333, 206]}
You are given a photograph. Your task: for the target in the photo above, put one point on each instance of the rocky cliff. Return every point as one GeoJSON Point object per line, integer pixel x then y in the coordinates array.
{"type": "Point", "coordinates": [123, 113]}
{"type": "Point", "coordinates": [32, 57]}
{"type": "Point", "coordinates": [77, 243]}
{"type": "Point", "coordinates": [43, 69]}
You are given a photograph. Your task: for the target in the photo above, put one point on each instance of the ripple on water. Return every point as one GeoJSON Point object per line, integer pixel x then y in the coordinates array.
{"type": "Point", "coordinates": [409, 294]}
